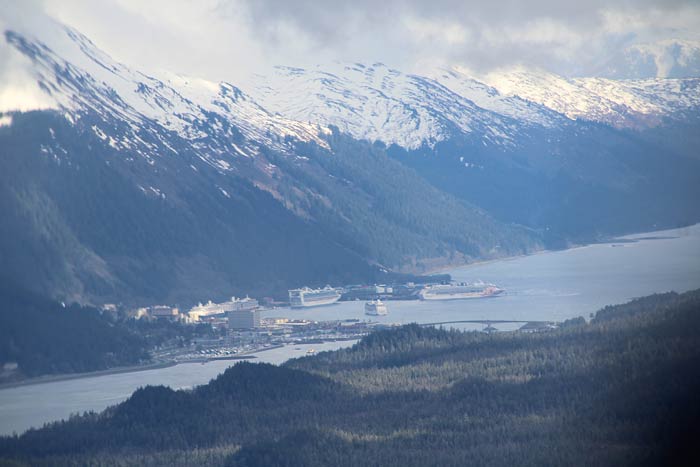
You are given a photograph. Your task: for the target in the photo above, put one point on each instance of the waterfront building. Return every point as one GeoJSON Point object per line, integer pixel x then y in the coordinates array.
{"type": "Point", "coordinates": [244, 314]}
{"type": "Point", "coordinates": [164, 312]}
{"type": "Point", "coordinates": [243, 319]}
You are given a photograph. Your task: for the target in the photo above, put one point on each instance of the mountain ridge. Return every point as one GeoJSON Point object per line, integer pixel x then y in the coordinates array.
{"type": "Point", "coordinates": [180, 189]}
{"type": "Point", "coordinates": [179, 201]}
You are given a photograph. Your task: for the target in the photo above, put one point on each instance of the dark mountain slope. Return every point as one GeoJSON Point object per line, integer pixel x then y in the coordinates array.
{"type": "Point", "coordinates": [86, 221]}
{"type": "Point", "coordinates": [577, 183]}
{"type": "Point", "coordinates": [83, 228]}
{"type": "Point", "coordinates": [577, 159]}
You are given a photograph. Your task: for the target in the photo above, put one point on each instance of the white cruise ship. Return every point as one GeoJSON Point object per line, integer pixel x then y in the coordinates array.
{"type": "Point", "coordinates": [376, 308]}
{"type": "Point", "coordinates": [459, 291]}
{"type": "Point", "coordinates": [306, 297]}
{"type": "Point", "coordinates": [211, 309]}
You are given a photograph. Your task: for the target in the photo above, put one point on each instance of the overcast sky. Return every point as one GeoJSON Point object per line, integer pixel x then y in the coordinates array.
{"type": "Point", "coordinates": [227, 39]}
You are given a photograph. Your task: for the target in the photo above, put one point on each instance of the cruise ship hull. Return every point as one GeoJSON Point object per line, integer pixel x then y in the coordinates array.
{"type": "Point", "coordinates": [313, 303]}
{"type": "Point", "coordinates": [378, 313]}
{"type": "Point", "coordinates": [376, 309]}
{"type": "Point", "coordinates": [486, 293]}
{"type": "Point", "coordinates": [306, 297]}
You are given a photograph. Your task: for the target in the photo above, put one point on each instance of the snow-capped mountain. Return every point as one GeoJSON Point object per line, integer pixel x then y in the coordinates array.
{"type": "Point", "coordinates": [621, 103]}
{"type": "Point", "coordinates": [138, 112]}
{"type": "Point", "coordinates": [379, 103]}
{"type": "Point", "coordinates": [157, 187]}
{"type": "Point", "coordinates": [479, 138]}
{"type": "Point", "coordinates": [76, 76]}
{"type": "Point", "coordinates": [487, 97]}
{"type": "Point", "coordinates": [372, 102]}
{"type": "Point", "coordinates": [376, 102]}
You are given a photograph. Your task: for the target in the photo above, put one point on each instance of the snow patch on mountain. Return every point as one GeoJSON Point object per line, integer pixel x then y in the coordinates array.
{"type": "Point", "coordinates": [379, 103]}
{"type": "Point", "coordinates": [76, 76]}
{"type": "Point", "coordinates": [375, 102]}
{"type": "Point", "coordinates": [487, 97]}
{"type": "Point", "coordinates": [621, 103]}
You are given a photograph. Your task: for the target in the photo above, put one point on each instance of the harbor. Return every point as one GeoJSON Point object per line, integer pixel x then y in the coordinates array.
{"type": "Point", "coordinates": [547, 287]}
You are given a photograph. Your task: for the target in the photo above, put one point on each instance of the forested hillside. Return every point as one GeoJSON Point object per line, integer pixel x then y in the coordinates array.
{"type": "Point", "coordinates": [620, 390]}
{"type": "Point", "coordinates": [41, 337]}
{"type": "Point", "coordinates": [576, 183]}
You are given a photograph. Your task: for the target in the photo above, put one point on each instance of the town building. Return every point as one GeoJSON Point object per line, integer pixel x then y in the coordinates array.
{"type": "Point", "coordinates": [243, 319]}
{"type": "Point", "coordinates": [164, 312]}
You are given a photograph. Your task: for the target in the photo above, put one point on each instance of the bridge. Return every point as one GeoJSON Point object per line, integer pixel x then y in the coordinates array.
{"type": "Point", "coordinates": [489, 322]}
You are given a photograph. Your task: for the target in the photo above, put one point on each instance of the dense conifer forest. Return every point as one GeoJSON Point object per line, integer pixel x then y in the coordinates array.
{"type": "Point", "coordinates": [622, 389]}
{"type": "Point", "coordinates": [44, 337]}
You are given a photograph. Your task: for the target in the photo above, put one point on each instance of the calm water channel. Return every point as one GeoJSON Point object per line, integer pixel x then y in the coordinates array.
{"type": "Point", "coordinates": [550, 286]}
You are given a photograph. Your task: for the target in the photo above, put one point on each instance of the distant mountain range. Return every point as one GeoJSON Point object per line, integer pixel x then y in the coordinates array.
{"type": "Point", "coordinates": [380, 103]}
{"type": "Point", "coordinates": [141, 187]}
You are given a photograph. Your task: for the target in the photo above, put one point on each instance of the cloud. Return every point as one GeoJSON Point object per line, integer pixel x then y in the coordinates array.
{"type": "Point", "coordinates": [18, 89]}
{"type": "Point", "coordinates": [568, 37]}
{"type": "Point", "coordinates": [230, 39]}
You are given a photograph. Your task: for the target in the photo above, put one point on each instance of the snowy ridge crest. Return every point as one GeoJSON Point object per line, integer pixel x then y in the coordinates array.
{"type": "Point", "coordinates": [375, 102]}
{"type": "Point", "coordinates": [371, 102]}
{"type": "Point", "coordinates": [78, 77]}
{"type": "Point", "coordinates": [620, 103]}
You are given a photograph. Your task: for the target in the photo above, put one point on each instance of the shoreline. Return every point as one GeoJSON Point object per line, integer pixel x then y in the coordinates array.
{"type": "Point", "coordinates": [118, 370]}
{"type": "Point", "coordinates": [69, 376]}
{"type": "Point", "coordinates": [625, 238]}
{"type": "Point", "coordinates": [481, 262]}
{"type": "Point", "coordinates": [138, 368]}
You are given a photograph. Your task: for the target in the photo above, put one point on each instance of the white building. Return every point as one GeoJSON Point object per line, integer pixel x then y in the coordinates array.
{"type": "Point", "coordinates": [243, 319]}
{"type": "Point", "coordinates": [244, 314]}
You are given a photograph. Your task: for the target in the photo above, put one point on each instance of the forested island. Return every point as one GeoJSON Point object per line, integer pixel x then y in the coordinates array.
{"type": "Point", "coordinates": [622, 389]}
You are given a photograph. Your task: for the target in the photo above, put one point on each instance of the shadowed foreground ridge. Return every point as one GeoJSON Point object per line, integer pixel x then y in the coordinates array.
{"type": "Point", "coordinates": [620, 390]}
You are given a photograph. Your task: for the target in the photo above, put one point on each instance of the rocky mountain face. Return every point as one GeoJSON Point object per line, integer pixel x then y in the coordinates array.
{"type": "Point", "coordinates": [142, 187]}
